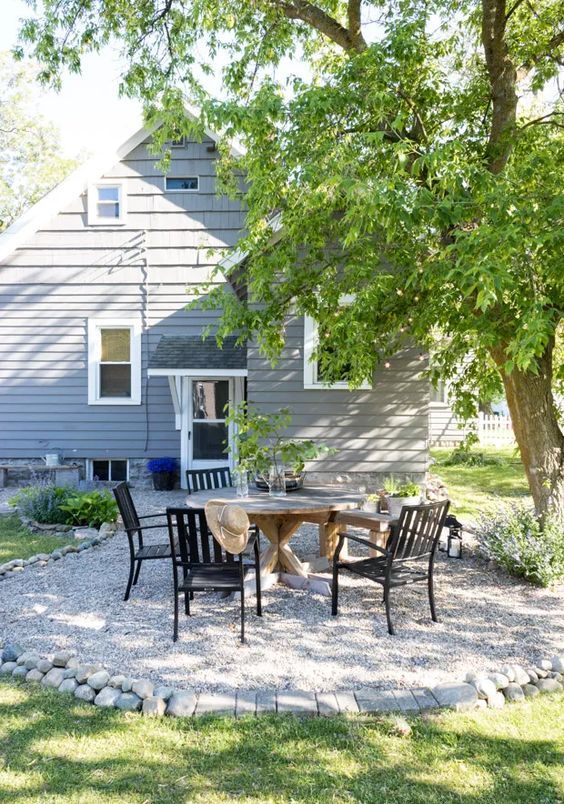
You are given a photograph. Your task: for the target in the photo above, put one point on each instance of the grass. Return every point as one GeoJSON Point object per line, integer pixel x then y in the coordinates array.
{"type": "Point", "coordinates": [53, 749]}
{"type": "Point", "coordinates": [17, 541]}
{"type": "Point", "coordinates": [474, 489]}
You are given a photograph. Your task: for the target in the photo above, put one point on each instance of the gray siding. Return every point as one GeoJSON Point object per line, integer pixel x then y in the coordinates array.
{"type": "Point", "coordinates": [376, 431]}
{"type": "Point", "coordinates": [70, 272]}
{"type": "Point", "coordinates": [444, 429]}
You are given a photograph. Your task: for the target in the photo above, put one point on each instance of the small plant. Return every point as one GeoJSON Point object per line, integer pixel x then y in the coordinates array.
{"type": "Point", "coordinates": [42, 503]}
{"type": "Point", "coordinates": [515, 537]}
{"type": "Point", "coordinates": [90, 508]}
{"type": "Point", "coordinates": [157, 465]}
{"type": "Point", "coordinates": [395, 488]}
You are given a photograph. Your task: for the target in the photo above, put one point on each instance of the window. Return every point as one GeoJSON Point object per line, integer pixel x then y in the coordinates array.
{"type": "Point", "coordinates": [114, 362]}
{"type": "Point", "coordinates": [179, 143]}
{"type": "Point", "coordinates": [438, 394]}
{"type": "Point", "coordinates": [313, 369]}
{"type": "Point", "coordinates": [209, 401]}
{"type": "Point", "coordinates": [181, 184]}
{"type": "Point", "coordinates": [106, 204]}
{"type": "Point", "coordinates": [105, 469]}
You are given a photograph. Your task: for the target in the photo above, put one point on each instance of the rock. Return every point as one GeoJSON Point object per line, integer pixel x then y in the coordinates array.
{"type": "Point", "coordinates": [31, 660]}
{"type": "Point", "coordinates": [183, 703]}
{"type": "Point", "coordinates": [127, 684]}
{"type": "Point", "coordinates": [549, 685]}
{"type": "Point", "coordinates": [143, 688]}
{"type": "Point", "coordinates": [84, 692]}
{"type": "Point", "coordinates": [11, 652]}
{"type": "Point", "coordinates": [521, 677]}
{"type": "Point", "coordinates": [497, 701]}
{"type": "Point", "coordinates": [499, 679]}
{"type": "Point", "coordinates": [128, 702]}
{"type": "Point", "coordinates": [533, 675]}
{"type": "Point", "coordinates": [44, 665]}
{"type": "Point", "coordinates": [509, 671]}
{"type": "Point", "coordinates": [33, 560]}
{"type": "Point", "coordinates": [68, 685]}
{"type": "Point", "coordinates": [8, 668]}
{"type": "Point", "coordinates": [557, 663]}
{"type": "Point", "coordinates": [84, 671]}
{"type": "Point", "coordinates": [557, 676]}
{"type": "Point", "coordinates": [471, 677]}
{"type": "Point", "coordinates": [513, 692]}
{"type": "Point", "coordinates": [481, 704]}
{"type": "Point", "coordinates": [69, 672]}
{"type": "Point", "coordinates": [73, 662]}
{"type": "Point", "coordinates": [107, 529]}
{"type": "Point", "coordinates": [541, 673]}
{"type": "Point", "coordinates": [34, 675]}
{"type": "Point", "coordinates": [21, 671]}
{"type": "Point", "coordinates": [85, 533]}
{"type": "Point", "coordinates": [116, 681]}
{"type": "Point", "coordinates": [43, 557]}
{"type": "Point", "coordinates": [485, 688]}
{"type": "Point", "coordinates": [163, 692]}
{"type": "Point", "coordinates": [98, 680]}
{"type": "Point", "coordinates": [529, 691]}
{"type": "Point", "coordinates": [61, 658]}
{"type": "Point", "coordinates": [107, 697]}
{"type": "Point", "coordinates": [84, 546]}
{"type": "Point", "coordinates": [545, 664]}
{"type": "Point", "coordinates": [455, 696]}
{"type": "Point", "coordinates": [54, 678]}
{"type": "Point", "coordinates": [154, 707]}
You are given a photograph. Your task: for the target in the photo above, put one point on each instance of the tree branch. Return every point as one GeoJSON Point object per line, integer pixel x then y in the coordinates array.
{"type": "Point", "coordinates": [321, 21]}
{"type": "Point", "coordinates": [355, 23]}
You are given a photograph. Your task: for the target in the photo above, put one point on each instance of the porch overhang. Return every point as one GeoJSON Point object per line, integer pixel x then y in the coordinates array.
{"type": "Point", "coordinates": [190, 355]}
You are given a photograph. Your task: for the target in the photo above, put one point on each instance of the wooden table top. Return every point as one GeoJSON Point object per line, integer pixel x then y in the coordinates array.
{"type": "Point", "coordinates": [312, 498]}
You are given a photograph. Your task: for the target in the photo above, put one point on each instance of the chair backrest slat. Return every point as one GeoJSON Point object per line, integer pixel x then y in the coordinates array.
{"type": "Point", "coordinates": [126, 506]}
{"type": "Point", "coordinates": [208, 479]}
{"type": "Point", "coordinates": [418, 530]}
{"type": "Point", "coordinates": [191, 540]}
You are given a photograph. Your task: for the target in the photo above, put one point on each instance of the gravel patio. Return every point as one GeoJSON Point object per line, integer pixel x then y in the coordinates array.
{"type": "Point", "coordinates": [77, 603]}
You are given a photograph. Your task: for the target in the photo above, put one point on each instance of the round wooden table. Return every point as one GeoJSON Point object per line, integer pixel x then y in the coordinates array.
{"type": "Point", "coordinates": [280, 517]}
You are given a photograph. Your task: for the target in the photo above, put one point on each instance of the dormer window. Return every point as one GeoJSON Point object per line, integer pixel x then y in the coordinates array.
{"type": "Point", "coordinates": [106, 204]}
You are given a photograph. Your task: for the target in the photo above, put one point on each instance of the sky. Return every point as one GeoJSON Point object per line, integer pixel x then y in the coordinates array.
{"type": "Point", "coordinates": [87, 110]}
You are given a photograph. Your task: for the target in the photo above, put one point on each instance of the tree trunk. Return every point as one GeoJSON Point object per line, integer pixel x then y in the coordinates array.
{"type": "Point", "coordinates": [537, 432]}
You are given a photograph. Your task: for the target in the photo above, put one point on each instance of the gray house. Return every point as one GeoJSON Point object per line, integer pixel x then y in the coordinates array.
{"type": "Point", "coordinates": [100, 359]}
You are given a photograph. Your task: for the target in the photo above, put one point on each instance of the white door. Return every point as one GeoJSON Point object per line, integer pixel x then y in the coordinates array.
{"type": "Point", "coordinates": [209, 433]}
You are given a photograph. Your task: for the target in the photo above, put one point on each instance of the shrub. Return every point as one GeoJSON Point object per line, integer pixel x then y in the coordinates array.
{"type": "Point", "coordinates": [42, 503]}
{"type": "Point", "coordinates": [396, 488]}
{"type": "Point", "coordinates": [162, 465]}
{"type": "Point", "coordinates": [90, 508]}
{"type": "Point", "coordinates": [517, 540]}
{"type": "Point", "coordinates": [461, 456]}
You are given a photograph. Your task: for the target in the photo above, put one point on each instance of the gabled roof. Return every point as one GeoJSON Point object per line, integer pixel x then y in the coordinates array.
{"type": "Point", "coordinates": [75, 184]}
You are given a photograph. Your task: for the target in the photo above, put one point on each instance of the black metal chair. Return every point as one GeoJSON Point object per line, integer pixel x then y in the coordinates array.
{"type": "Point", "coordinates": [204, 565]}
{"type": "Point", "coordinates": [414, 540]}
{"type": "Point", "coordinates": [208, 479]}
{"type": "Point", "coordinates": [134, 526]}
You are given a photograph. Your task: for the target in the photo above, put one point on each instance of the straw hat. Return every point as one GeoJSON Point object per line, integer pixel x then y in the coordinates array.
{"type": "Point", "coordinates": [229, 524]}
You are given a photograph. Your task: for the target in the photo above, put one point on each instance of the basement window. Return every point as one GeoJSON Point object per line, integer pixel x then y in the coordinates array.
{"type": "Point", "coordinates": [181, 184]}
{"type": "Point", "coordinates": [105, 469]}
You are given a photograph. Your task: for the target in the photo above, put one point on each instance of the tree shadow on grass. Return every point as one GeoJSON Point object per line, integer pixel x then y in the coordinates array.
{"type": "Point", "coordinates": [54, 749]}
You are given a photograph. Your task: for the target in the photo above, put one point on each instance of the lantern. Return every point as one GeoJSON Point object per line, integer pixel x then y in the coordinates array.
{"type": "Point", "coordinates": [454, 539]}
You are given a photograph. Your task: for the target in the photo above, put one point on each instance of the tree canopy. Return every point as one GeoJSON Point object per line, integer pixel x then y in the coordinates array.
{"type": "Point", "coordinates": [416, 164]}
{"type": "Point", "coordinates": [30, 156]}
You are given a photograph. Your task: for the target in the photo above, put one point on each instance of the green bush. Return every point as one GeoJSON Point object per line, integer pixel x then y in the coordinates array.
{"type": "Point", "coordinates": [461, 456]}
{"type": "Point", "coordinates": [517, 540]}
{"type": "Point", "coordinates": [42, 503]}
{"type": "Point", "coordinates": [90, 508]}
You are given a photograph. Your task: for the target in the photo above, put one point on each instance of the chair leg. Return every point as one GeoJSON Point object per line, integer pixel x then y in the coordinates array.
{"type": "Point", "coordinates": [242, 612]}
{"type": "Point", "coordinates": [391, 629]}
{"type": "Point", "coordinates": [130, 579]}
{"type": "Point", "coordinates": [175, 632]}
{"type": "Point", "coordinates": [258, 586]}
{"type": "Point", "coordinates": [432, 597]}
{"type": "Point", "coordinates": [187, 596]}
{"type": "Point", "coordinates": [335, 592]}
{"type": "Point", "coordinates": [137, 571]}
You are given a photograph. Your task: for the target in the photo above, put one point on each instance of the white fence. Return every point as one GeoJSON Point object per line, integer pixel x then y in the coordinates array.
{"type": "Point", "coordinates": [495, 430]}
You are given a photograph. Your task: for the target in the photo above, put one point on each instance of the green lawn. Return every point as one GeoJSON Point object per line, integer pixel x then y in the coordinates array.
{"type": "Point", "coordinates": [16, 541]}
{"type": "Point", "coordinates": [474, 489]}
{"type": "Point", "coordinates": [53, 749]}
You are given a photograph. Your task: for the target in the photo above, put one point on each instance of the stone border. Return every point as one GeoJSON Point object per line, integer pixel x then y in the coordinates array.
{"type": "Point", "coordinates": [94, 684]}
{"type": "Point", "coordinates": [17, 565]}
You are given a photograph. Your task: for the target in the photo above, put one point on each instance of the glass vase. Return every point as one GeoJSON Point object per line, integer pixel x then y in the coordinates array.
{"type": "Point", "coordinates": [241, 481]}
{"type": "Point", "coordinates": [276, 481]}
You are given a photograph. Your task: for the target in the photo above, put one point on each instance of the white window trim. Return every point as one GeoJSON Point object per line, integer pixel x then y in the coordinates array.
{"type": "Point", "coordinates": [179, 143]}
{"type": "Point", "coordinates": [180, 189]}
{"type": "Point", "coordinates": [94, 348]}
{"type": "Point", "coordinates": [311, 340]}
{"type": "Point", "coordinates": [93, 219]}
{"type": "Point", "coordinates": [90, 469]}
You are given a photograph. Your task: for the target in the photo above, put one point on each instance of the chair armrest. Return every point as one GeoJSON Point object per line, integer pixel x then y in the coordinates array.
{"type": "Point", "coordinates": [365, 542]}
{"type": "Point", "coordinates": [144, 527]}
{"type": "Point", "coordinates": [151, 516]}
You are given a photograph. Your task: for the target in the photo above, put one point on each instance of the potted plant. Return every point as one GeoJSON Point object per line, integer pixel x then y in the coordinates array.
{"type": "Point", "coordinates": [163, 471]}
{"type": "Point", "coordinates": [399, 494]}
{"type": "Point", "coordinates": [259, 448]}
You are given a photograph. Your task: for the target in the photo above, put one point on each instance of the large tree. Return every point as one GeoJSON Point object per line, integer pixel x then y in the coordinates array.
{"type": "Point", "coordinates": [416, 164]}
{"type": "Point", "coordinates": [31, 162]}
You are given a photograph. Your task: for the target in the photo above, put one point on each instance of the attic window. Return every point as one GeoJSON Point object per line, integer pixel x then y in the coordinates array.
{"type": "Point", "coordinates": [179, 143]}
{"type": "Point", "coordinates": [106, 204]}
{"type": "Point", "coordinates": [181, 184]}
